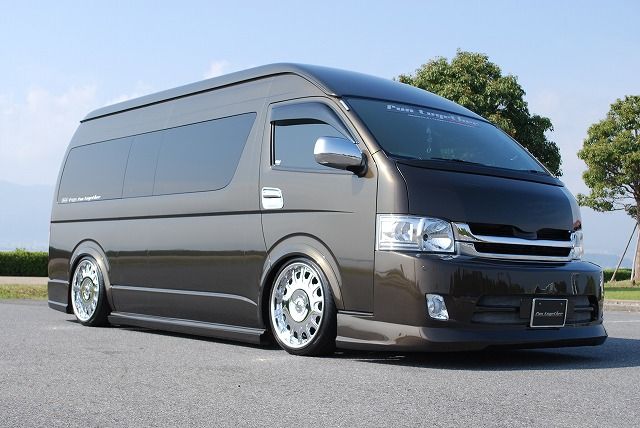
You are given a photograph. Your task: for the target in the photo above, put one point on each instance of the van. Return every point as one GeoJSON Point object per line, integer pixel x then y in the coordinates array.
{"type": "Point", "coordinates": [319, 208]}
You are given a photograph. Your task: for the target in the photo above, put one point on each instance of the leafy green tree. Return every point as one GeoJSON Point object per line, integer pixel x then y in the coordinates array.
{"type": "Point", "coordinates": [471, 80]}
{"type": "Point", "coordinates": [612, 154]}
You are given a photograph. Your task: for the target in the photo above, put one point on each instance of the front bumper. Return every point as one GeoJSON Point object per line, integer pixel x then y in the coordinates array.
{"type": "Point", "coordinates": [364, 333]}
{"type": "Point", "coordinates": [489, 304]}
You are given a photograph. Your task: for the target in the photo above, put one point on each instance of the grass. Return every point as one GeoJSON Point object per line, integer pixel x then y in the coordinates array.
{"type": "Point", "coordinates": [20, 291]}
{"type": "Point", "coordinates": [621, 290]}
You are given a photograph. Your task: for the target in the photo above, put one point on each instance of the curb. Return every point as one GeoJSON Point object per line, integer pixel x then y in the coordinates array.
{"type": "Point", "coordinates": [622, 305]}
{"type": "Point", "coordinates": [23, 280]}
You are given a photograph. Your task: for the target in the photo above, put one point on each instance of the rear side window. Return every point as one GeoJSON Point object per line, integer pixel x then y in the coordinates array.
{"type": "Point", "coordinates": [192, 158]}
{"type": "Point", "coordinates": [203, 156]}
{"type": "Point", "coordinates": [94, 172]}
{"type": "Point", "coordinates": [294, 140]}
{"type": "Point", "coordinates": [141, 167]}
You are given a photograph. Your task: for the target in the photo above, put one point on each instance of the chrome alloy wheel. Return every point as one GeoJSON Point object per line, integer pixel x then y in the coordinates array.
{"type": "Point", "coordinates": [297, 305]}
{"type": "Point", "coordinates": [85, 289]}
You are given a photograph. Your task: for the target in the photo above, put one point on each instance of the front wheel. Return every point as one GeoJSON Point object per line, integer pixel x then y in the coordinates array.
{"type": "Point", "coordinates": [88, 295]}
{"type": "Point", "coordinates": [302, 312]}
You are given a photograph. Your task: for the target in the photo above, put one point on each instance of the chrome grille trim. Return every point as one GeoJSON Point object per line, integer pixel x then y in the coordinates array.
{"type": "Point", "coordinates": [466, 240]}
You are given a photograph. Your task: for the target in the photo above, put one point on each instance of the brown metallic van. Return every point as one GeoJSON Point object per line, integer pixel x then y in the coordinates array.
{"type": "Point", "coordinates": [320, 208]}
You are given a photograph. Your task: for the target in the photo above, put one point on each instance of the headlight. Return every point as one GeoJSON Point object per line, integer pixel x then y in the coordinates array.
{"type": "Point", "coordinates": [399, 232]}
{"type": "Point", "coordinates": [578, 248]}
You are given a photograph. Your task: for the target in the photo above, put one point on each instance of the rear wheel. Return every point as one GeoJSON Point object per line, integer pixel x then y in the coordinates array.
{"type": "Point", "coordinates": [302, 312]}
{"type": "Point", "coordinates": [88, 295]}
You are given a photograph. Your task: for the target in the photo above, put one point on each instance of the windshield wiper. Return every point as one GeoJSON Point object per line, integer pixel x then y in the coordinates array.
{"type": "Point", "coordinates": [457, 160]}
{"type": "Point", "coordinates": [466, 162]}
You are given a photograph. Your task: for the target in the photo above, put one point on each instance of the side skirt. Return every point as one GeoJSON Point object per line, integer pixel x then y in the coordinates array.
{"type": "Point", "coordinates": [62, 307]}
{"type": "Point", "coordinates": [197, 328]}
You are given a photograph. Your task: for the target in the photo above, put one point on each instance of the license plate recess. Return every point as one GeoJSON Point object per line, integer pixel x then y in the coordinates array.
{"type": "Point", "coordinates": [548, 313]}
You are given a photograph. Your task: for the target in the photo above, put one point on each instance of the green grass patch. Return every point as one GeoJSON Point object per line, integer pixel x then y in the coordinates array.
{"type": "Point", "coordinates": [19, 291]}
{"type": "Point", "coordinates": [621, 290]}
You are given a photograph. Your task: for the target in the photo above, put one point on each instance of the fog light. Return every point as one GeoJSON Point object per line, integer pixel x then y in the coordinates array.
{"type": "Point", "coordinates": [436, 307]}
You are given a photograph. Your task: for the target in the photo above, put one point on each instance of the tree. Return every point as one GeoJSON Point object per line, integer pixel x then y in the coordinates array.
{"type": "Point", "coordinates": [612, 154]}
{"type": "Point", "coordinates": [471, 80]}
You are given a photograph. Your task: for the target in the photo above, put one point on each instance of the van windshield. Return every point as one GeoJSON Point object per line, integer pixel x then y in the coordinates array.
{"type": "Point", "coordinates": [420, 133]}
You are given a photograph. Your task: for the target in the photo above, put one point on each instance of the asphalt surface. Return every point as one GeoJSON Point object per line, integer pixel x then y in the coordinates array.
{"type": "Point", "coordinates": [54, 372]}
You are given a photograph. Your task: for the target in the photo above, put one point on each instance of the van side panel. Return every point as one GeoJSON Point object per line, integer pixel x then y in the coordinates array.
{"type": "Point", "coordinates": [194, 256]}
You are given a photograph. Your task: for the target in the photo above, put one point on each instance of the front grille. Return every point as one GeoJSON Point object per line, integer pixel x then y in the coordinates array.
{"type": "Point", "coordinates": [505, 230]}
{"type": "Point", "coordinates": [492, 229]}
{"type": "Point", "coordinates": [500, 241]}
{"type": "Point", "coordinates": [522, 250]}
{"type": "Point", "coordinates": [516, 310]}
{"type": "Point", "coordinates": [554, 234]}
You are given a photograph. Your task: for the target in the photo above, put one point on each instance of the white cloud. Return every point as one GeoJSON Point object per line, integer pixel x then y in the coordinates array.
{"type": "Point", "coordinates": [35, 131]}
{"type": "Point", "coordinates": [217, 68]}
{"type": "Point", "coordinates": [141, 89]}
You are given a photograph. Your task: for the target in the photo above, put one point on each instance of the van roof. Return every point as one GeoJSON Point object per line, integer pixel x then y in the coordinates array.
{"type": "Point", "coordinates": [332, 81]}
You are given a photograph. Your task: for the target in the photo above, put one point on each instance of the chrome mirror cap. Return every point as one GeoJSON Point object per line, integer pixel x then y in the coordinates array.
{"type": "Point", "coordinates": [340, 153]}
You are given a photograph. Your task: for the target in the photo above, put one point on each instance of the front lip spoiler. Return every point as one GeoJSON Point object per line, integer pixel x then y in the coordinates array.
{"type": "Point", "coordinates": [360, 333]}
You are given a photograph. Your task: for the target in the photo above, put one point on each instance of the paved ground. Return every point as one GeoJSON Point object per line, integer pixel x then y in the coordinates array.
{"type": "Point", "coordinates": [24, 280]}
{"type": "Point", "coordinates": [54, 372]}
{"type": "Point", "coordinates": [622, 305]}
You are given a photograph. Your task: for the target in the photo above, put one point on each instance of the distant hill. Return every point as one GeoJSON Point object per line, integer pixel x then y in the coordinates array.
{"type": "Point", "coordinates": [25, 212]}
{"type": "Point", "coordinates": [607, 260]}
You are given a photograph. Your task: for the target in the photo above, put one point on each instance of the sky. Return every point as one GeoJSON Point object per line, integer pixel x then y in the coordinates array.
{"type": "Point", "coordinates": [62, 59]}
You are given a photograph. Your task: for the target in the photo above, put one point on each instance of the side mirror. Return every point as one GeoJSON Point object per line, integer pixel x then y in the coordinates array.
{"type": "Point", "coordinates": [340, 153]}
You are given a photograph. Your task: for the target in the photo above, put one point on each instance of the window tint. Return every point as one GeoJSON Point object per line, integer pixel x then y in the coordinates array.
{"type": "Point", "coordinates": [141, 166]}
{"type": "Point", "coordinates": [94, 172]}
{"type": "Point", "coordinates": [294, 142]}
{"type": "Point", "coordinates": [202, 156]}
{"type": "Point", "coordinates": [191, 158]}
{"type": "Point", "coordinates": [421, 133]}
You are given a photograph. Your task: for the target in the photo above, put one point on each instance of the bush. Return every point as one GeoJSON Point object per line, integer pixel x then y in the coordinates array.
{"type": "Point", "coordinates": [23, 263]}
{"type": "Point", "coordinates": [621, 275]}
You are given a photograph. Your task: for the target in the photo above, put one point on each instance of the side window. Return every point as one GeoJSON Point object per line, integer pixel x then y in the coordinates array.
{"type": "Point", "coordinates": [141, 167]}
{"type": "Point", "coordinates": [94, 172]}
{"type": "Point", "coordinates": [294, 142]}
{"type": "Point", "coordinates": [202, 156]}
{"type": "Point", "coordinates": [192, 158]}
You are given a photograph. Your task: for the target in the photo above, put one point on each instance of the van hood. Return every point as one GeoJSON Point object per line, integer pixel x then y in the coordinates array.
{"type": "Point", "coordinates": [478, 198]}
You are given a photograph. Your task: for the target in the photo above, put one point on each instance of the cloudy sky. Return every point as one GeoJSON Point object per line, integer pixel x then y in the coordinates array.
{"type": "Point", "coordinates": [62, 59]}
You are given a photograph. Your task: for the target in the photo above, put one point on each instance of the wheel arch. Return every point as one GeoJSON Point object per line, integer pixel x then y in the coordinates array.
{"type": "Point", "coordinates": [93, 249]}
{"type": "Point", "coordinates": [290, 248]}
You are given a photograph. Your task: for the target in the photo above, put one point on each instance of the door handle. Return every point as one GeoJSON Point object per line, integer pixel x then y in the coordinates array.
{"type": "Point", "coordinates": [272, 198]}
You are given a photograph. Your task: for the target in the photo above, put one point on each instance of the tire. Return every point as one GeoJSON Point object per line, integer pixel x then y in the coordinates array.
{"type": "Point", "coordinates": [302, 313]}
{"type": "Point", "coordinates": [88, 294]}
